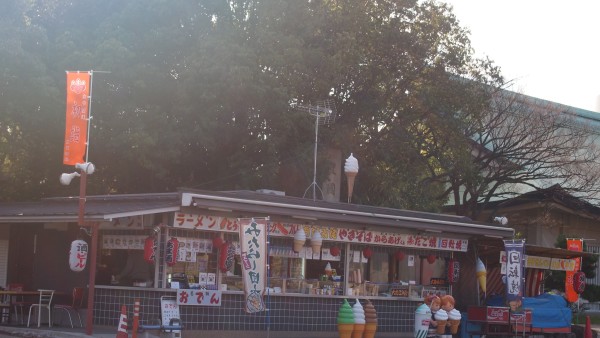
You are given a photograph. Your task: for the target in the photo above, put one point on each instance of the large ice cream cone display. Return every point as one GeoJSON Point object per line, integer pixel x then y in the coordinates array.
{"type": "Point", "coordinates": [370, 320]}
{"type": "Point", "coordinates": [351, 170]}
{"type": "Point", "coordinates": [441, 317]}
{"type": "Point", "coordinates": [345, 320]}
{"type": "Point", "coordinates": [481, 274]}
{"type": "Point", "coordinates": [454, 317]}
{"type": "Point", "coordinates": [359, 320]}
{"type": "Point", "coordinates": [315, 242]}
{"type": "Point", "coordinates": [299, 239]}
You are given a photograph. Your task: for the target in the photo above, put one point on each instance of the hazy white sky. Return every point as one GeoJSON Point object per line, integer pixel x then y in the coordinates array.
{"type": "Point", "coordinates": [550, 48]}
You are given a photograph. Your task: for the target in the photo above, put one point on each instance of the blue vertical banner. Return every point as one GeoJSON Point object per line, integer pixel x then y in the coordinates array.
{"type": "Point", "coordinates": [514, 268]}
{"type": "Point", "coordinates": [253, 252]}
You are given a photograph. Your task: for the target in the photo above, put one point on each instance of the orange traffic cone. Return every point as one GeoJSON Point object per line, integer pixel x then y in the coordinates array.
{"type": "Point", "coordinates": [122, 328]}
{"type": "Point", "coordinates": [588, 328]}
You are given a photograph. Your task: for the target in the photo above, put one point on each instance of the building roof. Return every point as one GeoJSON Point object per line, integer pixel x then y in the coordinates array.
{"type": "Point", "coordinates": [554, 194]}
{"type": "Point", "coordinates": [284, 208]}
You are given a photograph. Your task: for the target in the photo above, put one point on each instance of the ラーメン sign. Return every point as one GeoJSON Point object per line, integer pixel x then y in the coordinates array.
{"type": "Point", "coordinates": [253, 254]}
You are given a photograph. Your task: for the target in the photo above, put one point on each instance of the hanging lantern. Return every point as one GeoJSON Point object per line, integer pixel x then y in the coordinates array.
{"type": "Point", "coordinates": [217, 242]}
{"type": "Point", "coordinates": [579, 281]}
{"type": "Point", "coordinates": [335, 251]}
{"type": "Point", "coordinates": [431, 259]}
{"type": "Point", "coordinates": [172, 251]}
{"type": "Point", "coordinates": [150, 246]}
{"type": "Point", "coordinates": [453, 271]}
{"type": "Point", "coordinates": [367, 253]}
{"type": "Point", "coordinates": [224, 249]}
{"type": "Point", "coordinates": [399, 255]}
{"type": "Point", "coordinates": [230, 258]}
{"type": "Point", "coordinates": [78, 255]}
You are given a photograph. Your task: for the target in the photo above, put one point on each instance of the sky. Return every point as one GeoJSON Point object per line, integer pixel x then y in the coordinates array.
{"type": "Point", "coordinates": [550, 49]}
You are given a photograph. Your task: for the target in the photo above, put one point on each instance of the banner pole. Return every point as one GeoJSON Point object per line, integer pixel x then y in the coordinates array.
{"type": "Point", "coordinates": [89, 118]}
{"type": "Point", "coordinates": [268, 280]}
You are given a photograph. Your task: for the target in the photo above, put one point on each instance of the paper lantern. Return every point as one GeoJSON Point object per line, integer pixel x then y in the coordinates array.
{"type": "Point", "coordinates": [172, 251]}
{"type": "Point", "coordinates": [399, 255]}
{"type": "Point", "coordinates": [335, 251]}
{"type": "Point", "coordinates": [150, 246]}
{"type": "Point", "coordinates": [78, 255]}
{"type": "Point", "coordinates": [367, 253]}
{"type": "Point", "coordinates": [453, 271]}
{"type": "Point", "coordinates": [431, 259]}
{"type": "Point", "coordinates": [223, 257]}
{"type": "Point", "coordinates": [217, 242]}
{"type": "Point", "coordinates": [579, 282]}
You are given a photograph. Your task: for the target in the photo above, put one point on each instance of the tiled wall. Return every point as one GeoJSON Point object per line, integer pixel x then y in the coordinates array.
{"type": "Point", "coordinates": [287, 313]}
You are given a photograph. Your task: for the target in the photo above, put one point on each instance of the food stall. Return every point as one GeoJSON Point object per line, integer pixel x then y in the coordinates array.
{"type": "Point", "coordinates": [538, 312]}
{"type": "Point", "coordinates": [394, 258]}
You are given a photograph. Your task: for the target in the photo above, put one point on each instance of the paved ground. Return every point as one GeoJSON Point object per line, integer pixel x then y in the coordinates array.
{"type": "Point", "coordinates": [106, 332]}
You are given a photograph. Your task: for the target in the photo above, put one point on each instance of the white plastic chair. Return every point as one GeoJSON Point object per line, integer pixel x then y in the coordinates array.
{"type": "Point", "coordinates": [45, 302]}
{"type": "Point", "coordinates": [76, 302]}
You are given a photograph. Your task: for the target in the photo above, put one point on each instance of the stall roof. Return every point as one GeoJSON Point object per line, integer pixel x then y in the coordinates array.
{"type": "Point", "coordinates": [490, 249]}
{"type": "Point", "coordinates": [97, 208]}
{"type": "Point", "coordinates": [252, 203]}
{"type": "Point", "coordinates": [246, 203]}
{"type": "Point", "coordinates": [543, 251]}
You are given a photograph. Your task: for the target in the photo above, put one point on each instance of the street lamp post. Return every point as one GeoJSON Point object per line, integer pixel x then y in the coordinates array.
{"type": "Point", "coordinates": [86, 169]}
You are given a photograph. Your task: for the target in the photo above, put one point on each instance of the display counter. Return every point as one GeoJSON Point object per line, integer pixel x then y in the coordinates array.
{"type": "Point", "coordinates": [289, 312]}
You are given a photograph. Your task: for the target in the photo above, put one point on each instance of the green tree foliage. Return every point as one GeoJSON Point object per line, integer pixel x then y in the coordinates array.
{"type": "Point", "coordinates": [198, 94]}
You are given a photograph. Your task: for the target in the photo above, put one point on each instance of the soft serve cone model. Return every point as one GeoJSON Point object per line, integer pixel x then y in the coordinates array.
{"type": "Point", "coordinates": [299, 239]}
{"type": "Point", "coordinates": [370, 320]}
{"type": "Point", "coordinates": [359, 320]}
{"type": "Point", "coordinates": [328, 270]}
{"type": "Point", "coordinates": [454, 317]}
{"type": "Point", "coordinates": [315, 242]}
{"type": "Point", "coordinates": [345, 320]}
{"type": "Point", "coordinates": [481, 274]}
{"type": "Point", "coordinates": [351, 170]}
{"type": "Point", "coordinates": [441, 317]}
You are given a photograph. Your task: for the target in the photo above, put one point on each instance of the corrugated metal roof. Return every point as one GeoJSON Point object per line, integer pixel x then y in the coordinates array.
{"type": "Point", "coordinates": [243, 204]}
{"type": "Point", "coordinates": [96, 207]}
{"type": "Point", "coordinates": [255, 204]}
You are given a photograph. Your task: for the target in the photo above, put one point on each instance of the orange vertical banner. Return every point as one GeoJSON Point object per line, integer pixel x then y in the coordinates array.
{"type": "Point", "coordinates": [76, 127]}
{"type": "Point", "coordinates": [570, 294]}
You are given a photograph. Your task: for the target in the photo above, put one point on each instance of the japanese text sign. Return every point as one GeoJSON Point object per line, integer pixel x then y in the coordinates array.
{"type": "Point", "coordinates": [203, 222]}
{"type": "Point", "coordinates": [253, 249]}
{"type": "Point", "coordinates": [514, 267]}
{"type": "Point", "coordinates": [76, 126]}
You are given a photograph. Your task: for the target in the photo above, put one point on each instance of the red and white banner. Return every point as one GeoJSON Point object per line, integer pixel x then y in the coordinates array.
{"type": "Point", "coordinates": [253, 249]}
{"type": "Point", "coordinates": [76, 127]}
{"type": "Point", "coordinates": [570, 294]}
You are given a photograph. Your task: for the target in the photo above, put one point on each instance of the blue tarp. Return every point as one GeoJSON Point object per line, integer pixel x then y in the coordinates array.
{"type": "Point", "coordinates": [547, 310]}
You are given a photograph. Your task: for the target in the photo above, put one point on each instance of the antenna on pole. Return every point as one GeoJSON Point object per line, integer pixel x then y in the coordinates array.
{"type": "Point", "coordinates": [324, 113]}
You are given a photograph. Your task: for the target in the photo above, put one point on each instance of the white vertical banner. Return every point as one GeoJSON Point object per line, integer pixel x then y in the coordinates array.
{"type": "Point", "coordinates": [514, 268]}
{"type": "Point", "coordinates": [253, 253]}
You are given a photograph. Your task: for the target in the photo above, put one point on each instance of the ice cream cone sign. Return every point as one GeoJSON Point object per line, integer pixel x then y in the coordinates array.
{"type": "Point", "coordinates": [299, 239]}
{"type": "Point", "coordinates": [481, 273]}
{"type": "Point", "coordinates": [351, 170]}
